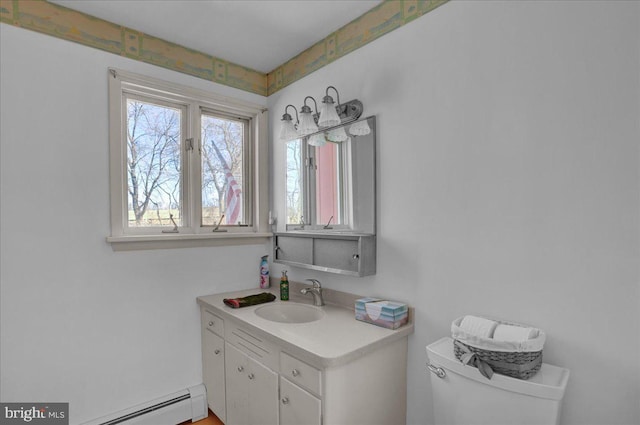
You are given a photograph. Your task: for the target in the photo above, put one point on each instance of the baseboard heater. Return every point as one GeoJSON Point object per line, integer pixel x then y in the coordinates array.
{"type": "Point", "coordinates": [172, 409]}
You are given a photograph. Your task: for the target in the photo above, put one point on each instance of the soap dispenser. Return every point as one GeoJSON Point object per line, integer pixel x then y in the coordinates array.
{"type": "Point", "coordinates": [284, 286]}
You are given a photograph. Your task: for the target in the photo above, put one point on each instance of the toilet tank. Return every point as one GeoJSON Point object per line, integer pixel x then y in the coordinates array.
{"type": "Point", "coordinates": [462, 396]}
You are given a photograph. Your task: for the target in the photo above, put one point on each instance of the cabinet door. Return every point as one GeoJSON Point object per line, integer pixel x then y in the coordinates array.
{"type": "Point", "coordinates": [337, 254]}
{"type": "Point", "coordinates": [213, 371]}
{"type": "Point", "coordinates": [263, 394]}
{"type": "Point", "coordinates": [297, 406]}
{"type": "Point", "coordinates": [294, 249]}
{"type": "Point", "coordinates": [237, 386]}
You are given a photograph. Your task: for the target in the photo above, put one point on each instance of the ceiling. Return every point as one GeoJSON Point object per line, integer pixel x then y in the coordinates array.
{"type": "Point", "coordinates": [258, 34]}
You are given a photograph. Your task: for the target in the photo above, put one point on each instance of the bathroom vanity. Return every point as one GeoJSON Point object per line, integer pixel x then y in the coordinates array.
{"type": "Point", "coordinates": [291, 363]}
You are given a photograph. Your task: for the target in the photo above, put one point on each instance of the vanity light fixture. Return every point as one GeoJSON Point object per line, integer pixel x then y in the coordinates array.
{"type": "Point", "coordinates": [288, 130]}
{"type": "Point", "coordinates": [330, 116]}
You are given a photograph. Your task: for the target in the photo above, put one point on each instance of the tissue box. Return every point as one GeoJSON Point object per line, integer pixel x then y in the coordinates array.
{"type": "Point", "coordinates": [388, 314]}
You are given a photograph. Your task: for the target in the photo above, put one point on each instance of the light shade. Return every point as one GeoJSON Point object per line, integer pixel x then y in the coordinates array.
{"type": "Point", "coordinates": [288, 131]}
{"type": "Point", "coordinates": [337, 135]}
{"type": "Point", "coordinates": [307, 124]}
{"type": "Point", "coordinates": [318, 140]}
{"type": "Point", "coordinates": [328, 115]}
{"type": "Point", "coordinates": [361, 128]}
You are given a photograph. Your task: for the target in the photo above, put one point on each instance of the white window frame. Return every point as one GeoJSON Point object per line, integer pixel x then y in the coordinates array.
{"type": "Point", "coordinates": [195, 102]}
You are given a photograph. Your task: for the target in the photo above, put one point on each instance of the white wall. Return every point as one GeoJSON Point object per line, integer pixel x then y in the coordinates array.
{"type": "Point", "coordinates": [79, 322]}
{"type": "Point", "coordinates": [509, 183]}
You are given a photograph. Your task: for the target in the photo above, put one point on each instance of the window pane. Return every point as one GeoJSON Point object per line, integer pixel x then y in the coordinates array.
{"type": "Point", "coordinates": [222, 170]}
{"type": "Point", "coordinates": [153, 164]}
{"type": "Point", "coordinates": [294, 182]}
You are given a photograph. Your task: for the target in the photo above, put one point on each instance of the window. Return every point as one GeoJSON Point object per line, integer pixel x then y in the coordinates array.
{"type": "Point", "coordinates": [185, 164]}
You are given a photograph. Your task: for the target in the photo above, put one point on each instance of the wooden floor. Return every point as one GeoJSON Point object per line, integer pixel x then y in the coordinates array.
{"type": "Point", "coordinates": [209, 420]}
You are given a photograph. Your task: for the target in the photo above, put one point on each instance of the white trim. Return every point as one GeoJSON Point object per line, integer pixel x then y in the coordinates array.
{"type": "Point", "coordinates": [172, 89]}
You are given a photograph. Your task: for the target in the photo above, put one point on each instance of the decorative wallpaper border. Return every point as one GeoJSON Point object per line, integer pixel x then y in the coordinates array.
{"type": "Point", "coordinates": [382, 19]}
{"type": "Point", "coordinates": [71, 25]}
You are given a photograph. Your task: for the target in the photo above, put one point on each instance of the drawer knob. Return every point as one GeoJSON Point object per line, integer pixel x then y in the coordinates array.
{"type": "Point", "coordinates": [211, 323]}
{"type": "Point", "coordinates": [216, 352]}
{"type": "Point", "coordinates": [250, 376]}
{"type": "Point", "coordinates": [240, 368]}
{"type": "Point", "coordinates": [285, 400]}
{"type": "Point", "coordinates": [295, 372]}
{"type": "Point", "coordinates": [356, 256]}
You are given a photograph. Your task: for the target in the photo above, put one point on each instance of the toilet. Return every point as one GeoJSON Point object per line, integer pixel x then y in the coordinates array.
{"type": "Point", "coordinates": [462, 396]}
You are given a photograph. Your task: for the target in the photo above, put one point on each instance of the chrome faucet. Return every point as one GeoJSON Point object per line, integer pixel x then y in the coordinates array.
{"type": "Point", "coordinates": [302, 223]}
{"type": "Point", "coordinates": [316, 291]}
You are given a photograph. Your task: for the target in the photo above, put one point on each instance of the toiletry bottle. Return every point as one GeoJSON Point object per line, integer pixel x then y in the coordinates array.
{"type": "Point", "coordinates": [264, 272]}
{"type": "Point", "coordinates": [284, 287]}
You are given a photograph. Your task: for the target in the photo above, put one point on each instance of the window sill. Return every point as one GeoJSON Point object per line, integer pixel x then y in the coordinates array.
{"type": "Point", "coordinates": [170, 241]}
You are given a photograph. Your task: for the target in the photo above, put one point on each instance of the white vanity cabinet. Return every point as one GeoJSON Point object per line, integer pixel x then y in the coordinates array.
{"type": "Point", "coordinates": [334, 371]}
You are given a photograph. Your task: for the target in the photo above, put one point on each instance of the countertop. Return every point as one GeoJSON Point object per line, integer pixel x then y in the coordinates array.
{"type": "Point", "coordinates": [335, 339]}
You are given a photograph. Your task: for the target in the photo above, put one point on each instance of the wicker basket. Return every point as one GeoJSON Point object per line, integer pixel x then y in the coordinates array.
{"type": "Point", "coordinates": [517, 360]}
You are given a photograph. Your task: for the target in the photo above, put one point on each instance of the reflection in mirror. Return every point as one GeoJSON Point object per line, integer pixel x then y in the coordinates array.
{"type": "Point", "coordinates": [295, 180]}
{"type": "Point", "coordinates": [331, 180]}
{"type": "Point", "coordinates": [329, 184]}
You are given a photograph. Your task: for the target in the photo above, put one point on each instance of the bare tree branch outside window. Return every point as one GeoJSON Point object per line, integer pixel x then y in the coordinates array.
{"type": "Point", "coordinates": [153, 163]}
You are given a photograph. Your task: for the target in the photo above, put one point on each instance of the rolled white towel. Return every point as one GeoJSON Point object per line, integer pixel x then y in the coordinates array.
{"type": "Point", "coordinates": [514, 333]}
{"type": "Point", "coordinates": [478, 326]}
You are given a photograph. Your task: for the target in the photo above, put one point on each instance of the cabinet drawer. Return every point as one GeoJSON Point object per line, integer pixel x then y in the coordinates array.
{"type": "Point", "coordinates": [253, 345]}
{"type": "Point", "coordinates": [301, 373]}
{"type": "Point", "coordinates": [214, 323]}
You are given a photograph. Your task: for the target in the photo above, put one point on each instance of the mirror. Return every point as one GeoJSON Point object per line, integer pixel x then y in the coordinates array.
{"type": "Point", "coordinates": [331, 180]}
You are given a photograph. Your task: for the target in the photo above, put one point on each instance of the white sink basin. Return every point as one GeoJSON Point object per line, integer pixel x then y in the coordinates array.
{"type": "Point", "coordinates": [290, 313]}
